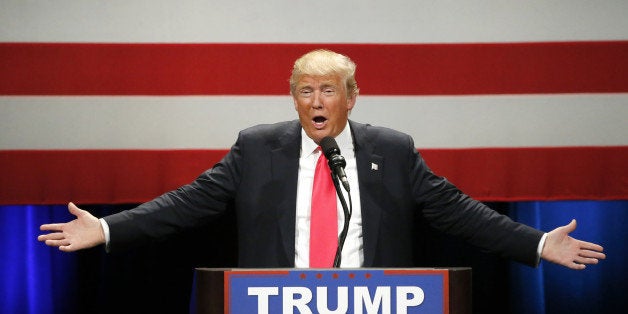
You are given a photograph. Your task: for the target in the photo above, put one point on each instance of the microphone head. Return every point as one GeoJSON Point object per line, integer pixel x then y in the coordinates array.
{"type": "Point", "coordinates": [329, 146]}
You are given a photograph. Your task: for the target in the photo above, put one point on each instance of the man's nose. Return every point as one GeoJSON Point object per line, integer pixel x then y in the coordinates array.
{"type": "Point", "coordinates": [317, 103]}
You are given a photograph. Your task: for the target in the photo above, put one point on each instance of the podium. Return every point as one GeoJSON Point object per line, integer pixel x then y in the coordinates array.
{"type": "Point", "coordinates": [304, 290]}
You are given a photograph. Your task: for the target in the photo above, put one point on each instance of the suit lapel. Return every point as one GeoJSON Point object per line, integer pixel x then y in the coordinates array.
{"type": "Point", "coordinates": [370, 167]}
{"type": "Point", "coordinates": [285, 167]}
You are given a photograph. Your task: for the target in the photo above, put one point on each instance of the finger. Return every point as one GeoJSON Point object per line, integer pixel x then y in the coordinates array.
{"type": "Point", "coordinates": [51, 236]}
{"type": "Point", "coordinates": [576, 266]}
{"type": "Point", "coordinates": [571, 226]}
{"type": "Point", "coordinates": [69, 247]}
{"type": "Point", "coordinates": [584, 260]}
{"type": "Point", "coordinates": [74, 210]}
{"type": "Point", "coordinates": [66, 248]}
{"type": "Point", "coordinates": [592, 254]}
{"type": "Point", "coordinates": [57, 242]}
{"type": "Point", "coordinates": [591, 246]}
{"type": "Point", "coordinates": [51, 227]}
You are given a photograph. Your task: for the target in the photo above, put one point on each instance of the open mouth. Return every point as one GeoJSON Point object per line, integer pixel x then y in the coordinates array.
{"type": "Point", "coordinates": [319, 122]}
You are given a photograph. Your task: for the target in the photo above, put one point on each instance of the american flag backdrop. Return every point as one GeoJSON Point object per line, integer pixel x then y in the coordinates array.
{"type": "Point", "coordinates": [120, 101]}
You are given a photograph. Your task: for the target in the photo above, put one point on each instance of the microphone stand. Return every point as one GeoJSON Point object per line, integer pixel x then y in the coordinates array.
{"type": "Point", "coordinates": [347, 214]}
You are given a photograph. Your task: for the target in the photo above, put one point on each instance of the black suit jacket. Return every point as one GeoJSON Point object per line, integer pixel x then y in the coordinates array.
{"type": "Point", "coordinates": [258, 179]}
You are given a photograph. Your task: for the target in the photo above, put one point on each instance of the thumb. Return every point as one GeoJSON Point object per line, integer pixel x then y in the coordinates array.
{"type": "Point", "coordinates": [74, 210]}
{"type": "Point", "coordinates": [571, 226]}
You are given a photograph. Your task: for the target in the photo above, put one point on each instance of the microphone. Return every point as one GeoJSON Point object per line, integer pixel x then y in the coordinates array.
{"type": "Point", "coordinates": [337, 165]}
{"type": "Point", "coordinates": [336, 162]}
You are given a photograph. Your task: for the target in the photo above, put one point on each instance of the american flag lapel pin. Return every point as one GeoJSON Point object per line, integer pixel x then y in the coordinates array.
{"type": "Point", "coordinates": [374, 166]}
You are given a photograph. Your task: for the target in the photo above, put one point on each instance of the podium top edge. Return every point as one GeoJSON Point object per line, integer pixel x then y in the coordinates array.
{"type": "Point", "coordinates": [334, 269]}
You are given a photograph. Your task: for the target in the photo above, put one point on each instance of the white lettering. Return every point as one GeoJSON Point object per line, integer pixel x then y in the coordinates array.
{"type": "Point", "coordinates": [298, 299]}
{"type": "Point", "coordinates": [290, 301]}
{"type": "Point", "coordinates": [403, 302]}
{"type": "Point", "coordinates": [262, 294]}
{"type": "Point", "coordinates": [380, 300]}
{"type": "Point", "coordinates": [321, 300]}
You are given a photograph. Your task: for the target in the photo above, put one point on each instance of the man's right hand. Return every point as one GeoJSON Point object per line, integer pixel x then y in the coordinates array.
{"type": "Point", "coordinates": [83, 232]}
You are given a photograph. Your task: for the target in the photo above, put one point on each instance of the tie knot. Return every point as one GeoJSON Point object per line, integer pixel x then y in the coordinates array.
{"type": "Point", "coordinates": [319, 151]}
{"type": "Point", "coordinates": [322, 159]}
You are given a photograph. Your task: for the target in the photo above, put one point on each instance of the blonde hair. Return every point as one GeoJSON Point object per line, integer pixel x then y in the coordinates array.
{"type": "Point", "coordinates": [322, 62]}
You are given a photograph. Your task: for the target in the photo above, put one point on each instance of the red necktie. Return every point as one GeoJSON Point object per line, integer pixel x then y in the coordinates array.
{"type": "Point", "coordinates": [324, 218]}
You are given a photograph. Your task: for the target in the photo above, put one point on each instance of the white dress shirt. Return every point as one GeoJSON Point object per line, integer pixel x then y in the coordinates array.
{"type": "Point", "coordinates": [352, 252]}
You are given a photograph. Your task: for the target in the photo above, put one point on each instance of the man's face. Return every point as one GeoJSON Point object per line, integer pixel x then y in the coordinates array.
{"type": "Point", "coordinates": [322, 104]}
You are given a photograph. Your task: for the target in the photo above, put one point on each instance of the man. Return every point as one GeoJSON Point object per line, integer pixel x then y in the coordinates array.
{"type": "Point", "coordinates": [267, 179]}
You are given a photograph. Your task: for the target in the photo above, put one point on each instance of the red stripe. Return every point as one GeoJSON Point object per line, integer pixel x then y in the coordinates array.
{"type": "Point", "coordinates": [134, 176]}
{"type": "Point", "coordinates": [535, 173]}
{"type": "Point", "coordinates": [263, 69]}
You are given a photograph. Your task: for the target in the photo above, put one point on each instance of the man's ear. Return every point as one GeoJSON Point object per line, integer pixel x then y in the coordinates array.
{"type": "Point", "coordinates": [296, 105]}
{"type": "Point", "coordinates": [351, 101]}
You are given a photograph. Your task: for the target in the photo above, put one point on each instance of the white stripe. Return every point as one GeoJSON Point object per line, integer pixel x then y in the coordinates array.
{"type": "Point", "coordinates": [213, 122]}
{"type": "Point", "coordinates": [371, 21]}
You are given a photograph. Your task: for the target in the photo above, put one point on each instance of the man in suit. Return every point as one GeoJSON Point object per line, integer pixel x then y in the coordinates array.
{"type": "Point", "coordinates": [267, 179]}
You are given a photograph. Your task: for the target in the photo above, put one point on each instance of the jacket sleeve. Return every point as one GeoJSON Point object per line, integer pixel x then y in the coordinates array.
{"type": "Point", "coordinates": [449, 210]}
{"type": "Point", "coordinates": [189, 206]}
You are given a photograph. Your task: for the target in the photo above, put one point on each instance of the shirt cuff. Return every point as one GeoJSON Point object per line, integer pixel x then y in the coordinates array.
{"type": "Point", "coordinates": [539, 249]}
{"type": "Point", "coordinates": [105, 229]}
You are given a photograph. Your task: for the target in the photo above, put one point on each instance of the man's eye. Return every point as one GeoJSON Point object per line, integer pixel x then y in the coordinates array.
{"type": "Point", "coordinates": [305, 93]}
{"type": "Point", "coordinates": [329, 92]}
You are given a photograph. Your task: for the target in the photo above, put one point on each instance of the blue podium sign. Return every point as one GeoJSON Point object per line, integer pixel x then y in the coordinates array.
{"type": "Point", "coordinates": [356, 291]}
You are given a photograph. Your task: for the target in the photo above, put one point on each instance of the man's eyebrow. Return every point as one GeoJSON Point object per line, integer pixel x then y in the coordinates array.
{"type": "Point", "coordinates": [328, 84]}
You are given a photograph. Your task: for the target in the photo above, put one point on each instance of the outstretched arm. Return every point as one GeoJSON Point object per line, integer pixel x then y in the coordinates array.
{"type": "Point", "coordinates": [564, 250]}
{"type": "Point", "coordinates": [83, 232]}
